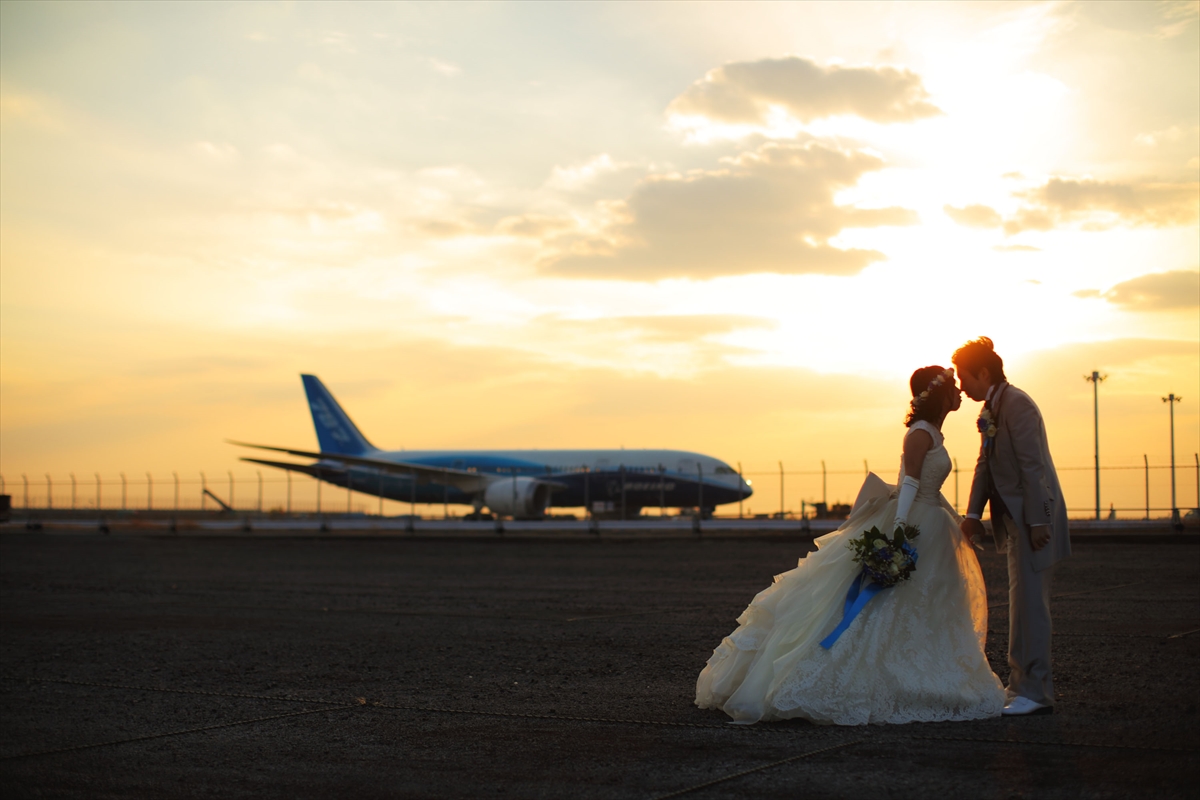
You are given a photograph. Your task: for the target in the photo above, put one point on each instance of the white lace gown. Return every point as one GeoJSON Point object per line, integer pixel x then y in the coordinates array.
{"type": "Point", "coordinates": [915, 653]}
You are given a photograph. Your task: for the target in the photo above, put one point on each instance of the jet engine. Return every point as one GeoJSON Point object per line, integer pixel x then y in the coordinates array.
{"type": "Point", "coordinates": [517, 497]}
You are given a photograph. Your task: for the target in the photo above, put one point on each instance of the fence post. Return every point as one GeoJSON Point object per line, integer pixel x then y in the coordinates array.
{"type": "Point", "coordinates": [176, 476]}
{"type": "Point", "coordinates": [866, 469]}
{"type": "Point", "coordinates": [662, 490]}
{"type": "Point", "coordinates": [98, 506]}
{"type": "Point", "coordinates": [621, 472]}
{"type": "Point", "coordinates": [1095, 379]}
{"type": "Point", "coordinates": [72, 491]}
{"type": "Point", "coordinates": [25, 480]}
{"type": "Point", "coordinates": [49, 492]}
{"type": "Point", "coordinates": [149, 492]}
{"type": "Point", "coordinates": [741, 494]}
{"type": "Point", "coordinates": [124, 492]}
{"type": "Point", "coordinates": [412, 502]}
{"type": "Point", "coordinates": [1146, 464]}
{"type": "Point", "coordinates": [782, 505]}
{"type": "Point", "coordinates": [381, 494]}
{"type": "Point", "coordinates": [956, 486]}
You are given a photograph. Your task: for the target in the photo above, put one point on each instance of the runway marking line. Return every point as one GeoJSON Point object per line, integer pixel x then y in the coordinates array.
{"type": "Point", "coordinates": [751, 771]}
{"type": "Point", "coordinates": [184, 732]}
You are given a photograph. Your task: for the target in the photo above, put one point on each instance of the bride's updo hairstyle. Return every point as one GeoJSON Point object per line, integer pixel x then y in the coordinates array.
{"type": "Point", "coordinates": [979, 354]}
{"type": "Point", "coordinates": [931, 389]}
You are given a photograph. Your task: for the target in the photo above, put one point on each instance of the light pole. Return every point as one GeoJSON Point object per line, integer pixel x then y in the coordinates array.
{"type": "Point", "coordinates": [1095, 379]}
{"type": "Point", "coordinates": [1171, 400]}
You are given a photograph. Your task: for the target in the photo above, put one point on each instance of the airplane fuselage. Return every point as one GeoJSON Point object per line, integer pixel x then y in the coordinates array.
{"type": "Point", "coordinates": [618, 479]}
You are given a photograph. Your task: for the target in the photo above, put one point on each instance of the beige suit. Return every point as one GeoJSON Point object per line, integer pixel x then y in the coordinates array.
{"type": "Point", "coordinates": [1015, 475]}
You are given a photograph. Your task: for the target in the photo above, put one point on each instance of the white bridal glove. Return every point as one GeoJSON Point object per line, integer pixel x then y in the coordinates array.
{"type": "Point", "coordinates": [904, 499]}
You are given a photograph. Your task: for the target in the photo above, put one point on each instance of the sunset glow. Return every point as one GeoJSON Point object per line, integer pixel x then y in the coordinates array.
{"type": "Point", "coordinates": [734, 228]}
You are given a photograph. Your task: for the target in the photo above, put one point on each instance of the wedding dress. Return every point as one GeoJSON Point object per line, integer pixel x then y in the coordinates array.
{"type": "Point", "coordinates": [914, 653]}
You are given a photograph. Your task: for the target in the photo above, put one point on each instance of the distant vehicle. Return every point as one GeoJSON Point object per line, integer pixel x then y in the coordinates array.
{"type": "Point", "coordinates": [513, 483]}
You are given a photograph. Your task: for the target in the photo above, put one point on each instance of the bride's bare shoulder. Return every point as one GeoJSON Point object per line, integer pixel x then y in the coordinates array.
{"type": "Point", "coordinates": [917, 439]}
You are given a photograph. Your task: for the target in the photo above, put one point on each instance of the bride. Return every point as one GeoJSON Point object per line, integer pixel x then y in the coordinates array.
{"type": "Point", "coordinates": [914, 653]}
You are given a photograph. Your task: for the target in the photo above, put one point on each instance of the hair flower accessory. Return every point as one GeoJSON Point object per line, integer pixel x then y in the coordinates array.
{"type": "Point", "coordinates": [940, 380]}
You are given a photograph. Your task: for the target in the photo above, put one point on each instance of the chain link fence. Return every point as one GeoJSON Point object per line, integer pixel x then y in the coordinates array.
{"type": "Point", "coordinates": [1127, 492]}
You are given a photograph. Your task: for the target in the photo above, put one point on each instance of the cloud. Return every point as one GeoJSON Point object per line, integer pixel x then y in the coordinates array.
{"type": "Point", "coordinates": [534, 226]}
{"type": "Point", "coordinates": [1016, 248]}
{"type": "Point", "coordinates": [579, 176]}
{"type": "Point", "coordinates": [1157, 291]}
{"type": "Point", "coordinates": [1162, 20]}
{"type": "Point", "coordinates": [659, 328]}
{"type": "Point", "coordinates": [746, 92]}
{"type": "Point", "coordinates": [444, 67]}
{"type": "Point", "coordinates": [1171, 134]}
{"type": "Point", "coordinates": [976, 216]}
{"type": "Point", "coordinates": [1100, 205]}
{"type": "Point", "coordinates": [769, 210]}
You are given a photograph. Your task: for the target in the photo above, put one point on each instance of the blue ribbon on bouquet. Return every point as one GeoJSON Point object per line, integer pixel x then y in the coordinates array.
{"type": "Point", "coordinates": [857, 598]}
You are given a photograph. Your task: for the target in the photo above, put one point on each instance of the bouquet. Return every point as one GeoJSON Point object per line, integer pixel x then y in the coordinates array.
{"type": "Point", "coordinates": [886, 561]}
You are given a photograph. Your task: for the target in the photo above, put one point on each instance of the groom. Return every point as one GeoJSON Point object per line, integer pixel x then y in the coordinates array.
{"type": "Point", "coordinates": [1015, 476]}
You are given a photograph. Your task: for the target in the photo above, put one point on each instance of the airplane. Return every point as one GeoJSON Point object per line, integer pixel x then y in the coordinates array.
{"type": "Point", "coordinates": [521, 484]}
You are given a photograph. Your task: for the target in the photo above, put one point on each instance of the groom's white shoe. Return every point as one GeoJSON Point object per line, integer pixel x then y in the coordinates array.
{"type": "Point", "coordinates": [1023, 706]}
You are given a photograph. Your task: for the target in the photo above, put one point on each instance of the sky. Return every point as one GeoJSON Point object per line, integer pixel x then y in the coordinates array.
{"type": "Point", "coordinates": [735, 228]}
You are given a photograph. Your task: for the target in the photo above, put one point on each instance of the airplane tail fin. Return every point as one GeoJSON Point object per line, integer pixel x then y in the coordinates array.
{"type": "Point", "coordinates": [335, 431]}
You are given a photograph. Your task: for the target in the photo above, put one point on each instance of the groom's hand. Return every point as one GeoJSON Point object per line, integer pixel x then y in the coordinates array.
{"type": "Point", "coordinates": [1039, 536]}
{"type": "Point", "coordinates": [971, 528]}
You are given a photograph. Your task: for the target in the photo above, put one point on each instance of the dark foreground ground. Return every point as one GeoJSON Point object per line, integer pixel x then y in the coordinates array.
{"type": "Point", "coordinates": [136, 666]}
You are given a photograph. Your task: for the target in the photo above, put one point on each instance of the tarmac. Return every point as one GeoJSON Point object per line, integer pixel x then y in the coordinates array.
{"type": "Point", "coordinates": [226, 663]}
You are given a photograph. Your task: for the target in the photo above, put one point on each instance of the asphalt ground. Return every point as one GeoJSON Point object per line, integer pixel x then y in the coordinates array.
{"type": "Point", "coordinates": [158, 666]}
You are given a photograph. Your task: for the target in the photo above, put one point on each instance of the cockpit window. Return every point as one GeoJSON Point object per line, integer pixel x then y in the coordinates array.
{"type": "Point", "coordinates": [725, 471]}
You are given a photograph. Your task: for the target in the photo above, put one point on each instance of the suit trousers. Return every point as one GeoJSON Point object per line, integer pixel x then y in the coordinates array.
{"type": "Point", "coordinates": [1029, 626]}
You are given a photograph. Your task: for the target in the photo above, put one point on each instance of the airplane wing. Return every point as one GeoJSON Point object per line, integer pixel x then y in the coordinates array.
{"type": "Point", "coordinates": [458, 478]}
{"type": "Point", "coordinates": [288, 465]}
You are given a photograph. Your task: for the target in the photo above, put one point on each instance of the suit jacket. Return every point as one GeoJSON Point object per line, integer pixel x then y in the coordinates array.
{"type": "Point", "coordinates": [1018, 468]}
